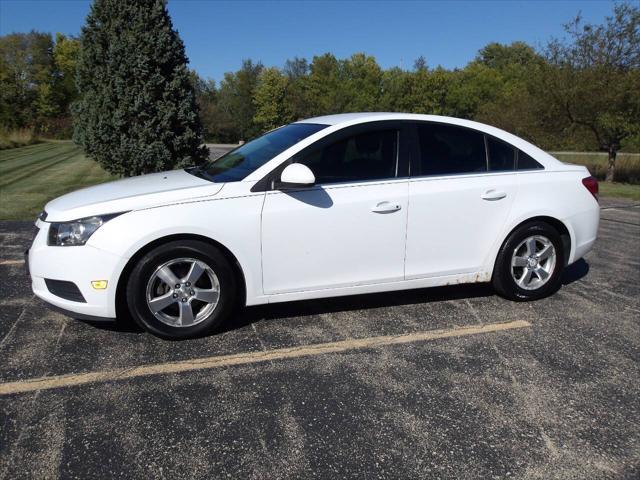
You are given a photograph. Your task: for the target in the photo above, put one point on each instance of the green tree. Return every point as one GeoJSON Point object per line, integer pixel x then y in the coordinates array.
{"type": "Point", "coordinates": [395, 90]}
{"type": "Point", "coordinates": [593, 78]}
{"type": "Point", "coordinates": [27, 75]}
{"type": "Point", "coordinates": [269, 96]}
{"type": "Point", "coordinates": [65, 57]}
{"type": "Point", "coordinates": [207, 100]}
{"type": "Point", "coordinates": [296, 68]}
{"type": "Point", "coordinates": [420, 63]}
{"type": "Point", "coordinates": [324, 85]}
{"type": "Point", "coordinates": [236, 99]}
{"type": "Point", "coordinates": [517, 104]}
{"type": "Point", "coordinates": [297, 94]}
{"type": "Point", "coordinates": [136, 111]}
{"type": "Point", "coordinates": [429, 91]}
{"type": "Point", "coordinates": [359, 89]}
{"type": "Point", "coordinates": [502, 57]}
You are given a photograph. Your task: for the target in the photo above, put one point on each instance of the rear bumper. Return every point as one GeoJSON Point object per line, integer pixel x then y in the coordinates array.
{"type": "Point", "coordinates": [80, 265]}
{"type": "Point", "coordinates": [584, 227]}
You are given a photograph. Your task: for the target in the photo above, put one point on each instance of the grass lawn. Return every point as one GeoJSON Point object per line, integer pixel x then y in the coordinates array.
{"type": "Point", "coordinates": [627, 164]}
{"type": "Point", "coordinates": [620, 190]}
{"type": "Point", "coordinates": [31, 176]}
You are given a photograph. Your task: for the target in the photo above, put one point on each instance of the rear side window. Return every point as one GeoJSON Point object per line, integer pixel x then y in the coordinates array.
{"type": "Point", "coordinates": [366, 156]}
{"type": "Point", "coordinates": [526, 162]}
{"type": "Point", "coordinates": [448, 149]}
{"type": "Point", "coordinates": [502, 156]}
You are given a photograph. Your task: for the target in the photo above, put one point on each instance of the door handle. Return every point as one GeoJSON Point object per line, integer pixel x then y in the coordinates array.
{"type": "Point", "coordinates": [492, 195]}
{"type": "Point", "coordinates": [386, 207]}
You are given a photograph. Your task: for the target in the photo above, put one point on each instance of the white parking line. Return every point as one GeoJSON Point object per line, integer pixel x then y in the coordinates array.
{"type": "Point", "coordinates": [62, 381]}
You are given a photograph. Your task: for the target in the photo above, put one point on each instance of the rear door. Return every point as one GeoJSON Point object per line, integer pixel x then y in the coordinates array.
{"type": "Point", "coordinates": [350, 228]}
{"type": "Point", "coordinates": [461, 189]}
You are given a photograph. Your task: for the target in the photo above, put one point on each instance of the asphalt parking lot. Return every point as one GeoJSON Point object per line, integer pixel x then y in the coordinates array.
{"type": "Point", "coordinates": [451, 382]}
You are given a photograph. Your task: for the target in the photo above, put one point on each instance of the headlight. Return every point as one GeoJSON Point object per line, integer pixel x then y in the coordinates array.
{"type": "Point", "coordinates": [68, 234]}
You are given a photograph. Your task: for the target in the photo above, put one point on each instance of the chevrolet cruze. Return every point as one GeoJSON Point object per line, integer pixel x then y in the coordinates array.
{"type": "Point", "coordinates": [335, 205]}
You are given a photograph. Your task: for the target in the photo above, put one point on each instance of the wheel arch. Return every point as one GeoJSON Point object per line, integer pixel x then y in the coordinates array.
{"type": "Point", "coordinates": [120, 299]}
{"type": "Point", "coordinates": [559, 225]}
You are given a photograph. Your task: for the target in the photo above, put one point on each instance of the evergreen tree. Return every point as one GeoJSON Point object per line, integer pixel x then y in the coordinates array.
{"type": "Point", "coordinates": [137, 111]}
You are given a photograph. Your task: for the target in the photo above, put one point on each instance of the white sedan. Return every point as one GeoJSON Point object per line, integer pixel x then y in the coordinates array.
{"type": "Point", "coordinates": [336, 205]}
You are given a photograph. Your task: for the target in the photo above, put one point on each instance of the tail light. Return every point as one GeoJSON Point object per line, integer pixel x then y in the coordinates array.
{"type": "Point", "coordinates": [591, 184]}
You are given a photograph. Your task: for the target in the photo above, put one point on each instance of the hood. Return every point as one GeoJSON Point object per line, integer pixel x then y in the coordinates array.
{"type": "Point", "coordinates": [133, 193]}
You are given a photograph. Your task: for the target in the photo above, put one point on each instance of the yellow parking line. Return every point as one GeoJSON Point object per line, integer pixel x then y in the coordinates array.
{"type": "Point", "coordinates": [61, 381]}
{"type": "Point", "coordinates": [11, 262]}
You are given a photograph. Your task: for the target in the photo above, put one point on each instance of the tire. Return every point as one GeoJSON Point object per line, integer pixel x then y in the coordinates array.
{"type": "Point", "coordinates": [148, 287]}
{"type": "Point", "coordinates": [510, 274]}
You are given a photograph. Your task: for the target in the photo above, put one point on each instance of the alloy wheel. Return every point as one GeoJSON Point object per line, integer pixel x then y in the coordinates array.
{"type": "Point", "coordinates": [533, 262]}
{"type": "Point", "coordinates": [183, 292]}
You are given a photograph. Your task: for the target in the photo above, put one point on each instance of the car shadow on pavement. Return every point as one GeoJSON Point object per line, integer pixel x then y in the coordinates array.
{"type": "Point", "coordinates": [246, 316]}
{"type": "Point", "coordinates": [304, 308]}
{"type": "Point", "coordinates": [575, 272]}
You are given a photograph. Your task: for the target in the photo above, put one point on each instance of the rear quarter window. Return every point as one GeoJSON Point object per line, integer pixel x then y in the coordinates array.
{"type": "Point", "coordinates": [526, 162]}
{"type": "Point", "coordinates": [502, 156]}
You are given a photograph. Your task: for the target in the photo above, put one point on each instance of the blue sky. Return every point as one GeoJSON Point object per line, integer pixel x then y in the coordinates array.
{"type": "Point", "coordinates": [219, 34]}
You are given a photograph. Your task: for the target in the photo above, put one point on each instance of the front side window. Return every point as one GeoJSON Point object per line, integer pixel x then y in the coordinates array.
{"type": "Point", "coordinates": [366, 156]}
{"type": "Point", "coordinates": [502, 156]}
{"type": "Point", "coordinates": [239, 163]}
{"type": "Point", "coordinates": [449, 149]}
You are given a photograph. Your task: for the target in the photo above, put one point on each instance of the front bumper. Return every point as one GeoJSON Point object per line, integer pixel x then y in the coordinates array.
{"type": "Point", "coordinates": [80, 265]}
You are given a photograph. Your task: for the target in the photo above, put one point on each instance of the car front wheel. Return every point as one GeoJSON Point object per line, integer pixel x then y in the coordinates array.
{"type": "Point", "coordinates": [181, 289]}
{"type": "Point", "coordinates": [530, 263]}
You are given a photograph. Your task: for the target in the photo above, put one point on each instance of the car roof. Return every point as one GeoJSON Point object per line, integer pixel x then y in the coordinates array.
{"type": "Point", "coordinates": [339, 118]}
{"type": "Point", "coordinates": [362, 117]}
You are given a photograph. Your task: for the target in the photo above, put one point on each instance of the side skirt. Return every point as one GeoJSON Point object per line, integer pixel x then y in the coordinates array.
{"type": "Point", "coordinates": [473, 277]}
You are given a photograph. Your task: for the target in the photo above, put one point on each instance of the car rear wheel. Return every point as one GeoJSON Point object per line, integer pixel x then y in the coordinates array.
{"type": "Point", "coordinates": [530, 263]}
{"type": "Point", "coordinates": [181, 289]}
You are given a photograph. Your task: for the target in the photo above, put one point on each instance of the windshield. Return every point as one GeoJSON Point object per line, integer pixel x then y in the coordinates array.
{"type": "Point", "coordinates": [239, 163]}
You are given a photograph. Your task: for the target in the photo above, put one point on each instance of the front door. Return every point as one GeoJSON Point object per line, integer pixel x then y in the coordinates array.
{"type": "Point", "coordinates": [349, 229]}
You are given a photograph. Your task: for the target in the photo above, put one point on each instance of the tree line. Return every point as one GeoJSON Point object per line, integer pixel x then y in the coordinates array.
{"type": "Point", "coordinates": [578, 93]}
{"type": "Point", "coordinates": [37, 82]}
{"type": "Point", "coordinates": [581, 92]}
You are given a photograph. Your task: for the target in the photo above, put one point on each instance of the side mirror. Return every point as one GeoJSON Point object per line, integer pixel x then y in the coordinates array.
{"type": "Point", "coordinates": [295, 175]}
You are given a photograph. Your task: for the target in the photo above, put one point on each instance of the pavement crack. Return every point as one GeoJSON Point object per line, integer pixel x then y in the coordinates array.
{"type": "Point", "coordinates": [620, 221]}
{"type": "Point", "coordinates": [64, 325]}
{"type": "Point", "coordinates": [519, 391]}
{"type": "Point", "coordinates": [29, 425]}
{"type": "Point", "coordinates": [18, 320]}
{"type": "Point", "coordinates": [255, 331]}
{"type": "Point", "coordinates": [474, 312]}
{"type": "Point", "coordinates": [620, 207]}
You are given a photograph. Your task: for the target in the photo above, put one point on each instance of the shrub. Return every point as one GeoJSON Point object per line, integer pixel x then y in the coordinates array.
{"type": "Point", "coordinates": [17, 138]}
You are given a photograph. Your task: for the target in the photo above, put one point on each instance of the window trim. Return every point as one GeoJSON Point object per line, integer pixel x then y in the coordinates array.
{"type": "Point", "coordinates": [402, 160]}
{"type": "Point", "coordinates": [486, 153]}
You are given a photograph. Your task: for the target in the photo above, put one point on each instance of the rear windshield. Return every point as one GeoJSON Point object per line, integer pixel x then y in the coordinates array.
{"type": "Point", "coordinates": [239, 163]}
